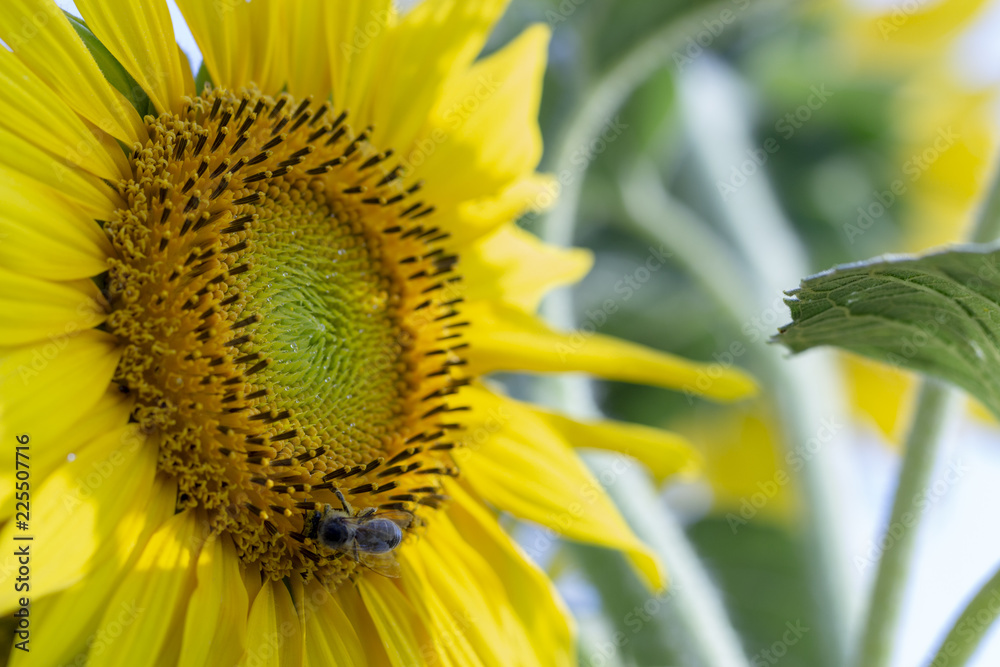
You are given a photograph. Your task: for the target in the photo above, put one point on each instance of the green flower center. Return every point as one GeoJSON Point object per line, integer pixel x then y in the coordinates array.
{"type": "Point", "coordinates": [330, 321]}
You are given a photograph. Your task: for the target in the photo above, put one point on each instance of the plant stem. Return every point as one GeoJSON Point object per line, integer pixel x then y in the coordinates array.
{"type": "Point", "coordinates": [987, 225]}
{"type": "Point", "coordinates": [689, 239]}
{"type": "Point", "coordinates": [934, 406]}
{"type": "Point", "coordinates": [969, 629]}
{"type": "Point", "coordinates": [695, 609]}
{"type": "Point", "coordinates": [806, 392]}
{"type": "Point", "coordinates": [798, 389]}
{"type": "Point", "coordinates": [606, 98]}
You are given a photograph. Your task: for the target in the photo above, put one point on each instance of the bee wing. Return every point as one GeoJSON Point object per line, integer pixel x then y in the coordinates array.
{"type": "Point", "coordinates": [398, 517]}
{"type": "Point", "coordinates": [384, 564]}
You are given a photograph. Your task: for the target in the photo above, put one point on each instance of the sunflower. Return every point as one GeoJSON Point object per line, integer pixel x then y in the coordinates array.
{"type": "Point", "coordinates": [246, 320]}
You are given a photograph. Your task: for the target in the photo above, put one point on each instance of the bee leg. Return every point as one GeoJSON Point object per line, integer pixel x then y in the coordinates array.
{"type": "Point", "coordinates": [344, 503]}
{"type": "Point", "coordinates": [310, 525]}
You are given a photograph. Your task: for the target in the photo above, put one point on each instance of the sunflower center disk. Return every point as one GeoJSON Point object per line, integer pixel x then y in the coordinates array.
{"type": "Point", "coordinates": [283, 299]}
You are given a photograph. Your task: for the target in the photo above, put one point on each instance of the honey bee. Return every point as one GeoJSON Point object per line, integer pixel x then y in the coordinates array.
{"type": "Point", "coordinates": [368, 536]}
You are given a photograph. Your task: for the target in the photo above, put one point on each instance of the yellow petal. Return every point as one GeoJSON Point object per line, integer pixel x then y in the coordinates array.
{"type": "Point", "coordinates": [306, 45]}
{"type": "Point", "coordinates": [82, 504]}
{"type": "Point", "coordinates": [216, 624]}
{"type": "Point", "coordinates": [400, 630]}
{"type": "Point", "coordinates": [428, 48]}
{"type": "Point", "coordinates": [253, 583]}
{"type": "Point", "coordinates": [32, 309]}
{"type": "Point", "coordinates": [46, 388]}
{"type": "Point", "coordinates": [516, 461]}
{"type": "Point", "coordinates": [27, 168]}
{"type": "Point", "coordinates": [273, 631]}
{"type": "Point", "coordinates": [110, 413]}
{"type": "Point", "coordinates": [32, 110]}
{"type": "Point", "coordinates": [67, 624]}
{"type": "Point", "coordinates": [45, 236]}
{"type": "Point", "coordinates": [224, 29]}
{"type": "Point", "coordinates": [928, 24]}
{"type": "Point", "coordinates": [349, 599]}
{"type": "Point", "coordinates": [478, 217]}
{"type": "Point", "coordinates": [141, 37]}
{"type": "Point", "coordinates": [51, 249]}
{"type": "Point", "coordinates": [303, 609]}
{"type": "Point", "coordinates": [504, 339]}
{"type": "Point", "coordinates": [451, 642]}
{"type": "Point", "coordinates": [354, 38]}
{"type": "Point", "coordinates": [158, 586]}
{"type": "Point", "coordinates": [463, 612]}
{"type": "Point", "coordinates": [664, 453]}
{"type": "Point", "coordinates": [331, 638]}
{"type": "Point", "coordinates": [881, 395]}
{"type": "Point", "coordinates": [936, 110]}
{"type": "Point", "coordinates": [747, 463]}
{"type": "Point", "coordinates": [537, 626]}
{"type": "Point", "coordinates": [39, 33]}
{"type": "Point", "coordinates": [516, 267]}
{"type": "Point", "coordinates": [487, 121]}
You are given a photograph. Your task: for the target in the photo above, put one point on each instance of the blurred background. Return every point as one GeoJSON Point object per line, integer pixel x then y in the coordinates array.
{"type": "Point", "coordinates": [711, 154]}
{"type": "Point", "coordinates": [773, 138]}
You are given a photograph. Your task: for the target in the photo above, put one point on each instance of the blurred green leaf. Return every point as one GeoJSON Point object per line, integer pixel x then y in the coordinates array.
{"type": "Point", "coordinates": [641, 621]}
{"type": "Point", "coordinates": [938, 314]}
{"type": "Point", "coordinates": [760, 570]}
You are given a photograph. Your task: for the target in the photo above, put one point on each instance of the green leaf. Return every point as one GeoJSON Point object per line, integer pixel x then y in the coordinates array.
{"type": "Point", "coordinates": [202, 79]}
{"type": "Point", "coordinates": [938, 314]}
{"type": "Point", "coordinates": [113, 70]}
